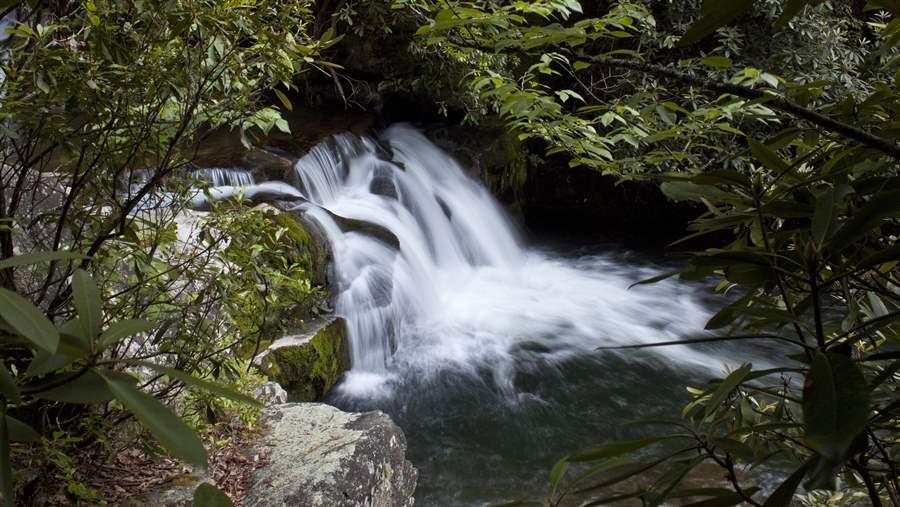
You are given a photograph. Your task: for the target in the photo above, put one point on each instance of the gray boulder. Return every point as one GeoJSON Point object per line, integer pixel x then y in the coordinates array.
{"type": "Point", "coordinates": [324, 457]}
{"type": "Point", "coordinates": [271, 393]}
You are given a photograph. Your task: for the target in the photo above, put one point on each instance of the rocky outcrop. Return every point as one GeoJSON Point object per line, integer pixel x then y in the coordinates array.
{"type": "Point", "coordinates": [323, 457]}
{"type": "Point", "coordinates": [271, 393]}
{"type": "Point", "coordinates": [308, 365]}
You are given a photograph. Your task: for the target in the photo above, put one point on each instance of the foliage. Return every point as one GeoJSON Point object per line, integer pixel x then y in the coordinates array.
{"type": "Point", "coordinates": [777, 118]}
{"type": "Point", "coordinates": [109, 303]}
{"type": "Point", "coordinates": [69, 366]}
{"type": "Point", "coordinates": [797, 168]}
{"type": "Point", "coordinates": [268, 266]}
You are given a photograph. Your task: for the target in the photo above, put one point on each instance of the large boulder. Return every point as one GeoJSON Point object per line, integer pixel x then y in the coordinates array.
{"type": "Point", "coordinates": [308, 364]}
{"type": "Point", "coordinates": [324, 457]}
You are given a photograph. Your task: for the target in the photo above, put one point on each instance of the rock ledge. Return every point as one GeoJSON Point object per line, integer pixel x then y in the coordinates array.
{"type": "Point", "coordinates": [322, 456]}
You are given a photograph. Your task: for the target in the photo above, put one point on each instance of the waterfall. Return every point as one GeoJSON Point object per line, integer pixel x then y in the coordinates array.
{"type": "Point", "coordinates": [225, 176]}
{"type": "Point", "coordinates": [457, 289]}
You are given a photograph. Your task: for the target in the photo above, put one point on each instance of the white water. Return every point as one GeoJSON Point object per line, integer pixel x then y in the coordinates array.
{"type": "Point", "coordinates": [225, 176]}
{"type": "Point", "coordinates": [461, 292]}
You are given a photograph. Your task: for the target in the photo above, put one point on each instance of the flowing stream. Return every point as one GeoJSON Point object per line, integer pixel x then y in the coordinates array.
{"type": "Point", "coordinates": [481, 348]}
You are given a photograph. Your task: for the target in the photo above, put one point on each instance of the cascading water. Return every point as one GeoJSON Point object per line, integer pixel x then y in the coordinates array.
{"type": "Point", "coordinates": [460, 289]}
{"type": "Point", "coordinates": [225, 176]}
{"type": "Point", "coordinates": [484, 351]}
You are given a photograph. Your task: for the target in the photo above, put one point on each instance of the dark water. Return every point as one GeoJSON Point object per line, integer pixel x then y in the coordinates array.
{"type": "Point", "coordinates": [479, 438]}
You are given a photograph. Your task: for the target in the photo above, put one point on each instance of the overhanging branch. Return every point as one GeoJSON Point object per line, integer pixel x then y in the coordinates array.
{"type": "Point", "coordinates": [869, 139]}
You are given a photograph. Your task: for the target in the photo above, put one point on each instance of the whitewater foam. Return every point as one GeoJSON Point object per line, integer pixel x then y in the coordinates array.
{"type": "Point", "coordinates": [461, 292]}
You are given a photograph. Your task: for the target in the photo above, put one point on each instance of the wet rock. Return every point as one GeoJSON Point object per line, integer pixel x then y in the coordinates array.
{"type": "Point", "coordinates": [324, 457]}
{"type": "Point", "coordinates": [269, 192]}
{"type": "Point", "coordinates": [383, 182]}
{"type": "Point", "coordinates": [270, 164]}
{"type": "Point", "coordinates": [308, 365]}
{"type": "Point", "coordinates": [373, 230]}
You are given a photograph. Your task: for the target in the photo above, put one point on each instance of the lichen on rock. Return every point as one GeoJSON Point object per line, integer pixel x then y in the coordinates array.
{"type": "Point", "coordinates": [322, 456]}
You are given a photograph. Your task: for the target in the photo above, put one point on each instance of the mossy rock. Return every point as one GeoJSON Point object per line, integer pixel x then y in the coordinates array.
{"type": "Point", "coordinates": [311, 248]}
{"type": "Point", "coordinates": [308, 365]}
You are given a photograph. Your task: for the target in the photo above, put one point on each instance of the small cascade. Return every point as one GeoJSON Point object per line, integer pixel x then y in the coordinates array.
{"type": "Point", "coordinates": [460, 291]}
{"type": "Point", "coordinates": [225, 176]}
{"type": "Point", "coordinates": [439, 215]}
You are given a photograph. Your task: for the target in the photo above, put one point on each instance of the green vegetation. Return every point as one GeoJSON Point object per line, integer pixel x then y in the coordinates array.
{"type": "Point", "coordinates": [779, 119]}
{"type": "Point", "coordinates": [113, 299]}
{"type": "Point", "coordinates": [795, 164]}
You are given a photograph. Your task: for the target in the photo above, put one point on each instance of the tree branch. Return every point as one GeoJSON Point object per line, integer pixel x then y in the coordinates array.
{"type": "Point", "coordinates": [869, 139]}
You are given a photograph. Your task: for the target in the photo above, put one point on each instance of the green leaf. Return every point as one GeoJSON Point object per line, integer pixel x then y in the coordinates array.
{"type": "Point", "coordinates": [40, 80]}
{"type": "Point", "coordinates": [716, 14]}
{"type": "Point", "coordinates": [19, 431]}
{"type": "Point", "coordinates": [729, 313]}
{"type": "Point", "coordinates": [718, 62]}
{"type": "Point", "coordinates": [207, 495]}
{"type": "Point", "coordinates": [75, 329]}
{"type": "Point", "coordinates": [171, 432]}
{"type": "Point", "coordinates": [581, 65]}
{"type": "Point", "coordinates": [88, 388]}
{"type": "Point", "coordinates": [615, 448]}
{"type": "Point", "coordinates": [285, 101]}
{"type": "Point", "coordinates": [784, 494]}
{"type": "Point", "coordinates": [735, 448]}
{"type": "Point", "coordinates": [727, 386]}
{"type": "Point", "coordinates": [722, 178]}
{"type": "Point", "coordinates": [889, 254]}
{"type": "Point", "coordinates": [654, 279]}
{"type": "Point", "coordinates": [660, 490]}
{"type": "Point", "coordinates": [28, 320]}
{"type": "Point", "coordinates": [8, 385]}
{"type": "Point", "coordinates": [282, 125]}
{"type": "Point", "coordinates": [824, 217]}
{"type": "Point", "coordinates": [836, 405]}
{"type": "Point", "coordinates": [687, 191]}
{"type": "Point", "coordinates": [38, 257]}
{"type": "Point", "coordinates": [888, 372]}
{"type": "Point", "coordinates": [621, 473]}
{"type": "Point", "coordinates": [123, 328]}
{"type": "Point", "coordinates": [87, 302]}
{"type": "Point", "coordinates": [556, 474]}
{"type": "Point", "coordinates": [45, 362]}
{"type": "Point", "coordinates": [767, 157]}
{"type": "Point", "coordinates": [867, 218]}
{"type": "Point", "coordinates": [192, 381]}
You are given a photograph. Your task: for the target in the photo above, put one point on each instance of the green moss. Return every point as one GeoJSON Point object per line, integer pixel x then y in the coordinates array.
{"type": "Point", "coordinates": [309, 249]}
{"type": "Point", "coordinates": [309, 370]}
